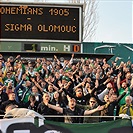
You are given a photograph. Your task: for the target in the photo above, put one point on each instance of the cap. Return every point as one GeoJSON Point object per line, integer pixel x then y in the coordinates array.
{"type": "Point", "coordinates": [11, 57]}
{"type": "Point", "coordinates": [65, 78]}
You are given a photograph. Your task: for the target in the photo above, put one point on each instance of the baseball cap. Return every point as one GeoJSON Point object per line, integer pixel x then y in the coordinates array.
{"type": "Point", "coordinates": [65, 78]}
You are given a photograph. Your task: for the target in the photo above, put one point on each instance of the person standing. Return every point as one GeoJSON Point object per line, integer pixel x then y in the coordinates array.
{"type": "Point", "coordinates": [72, 110]}
{"type": "Point", "coordinates": [91, 105]}
{"type": "Point", "coordinates": [122, 87]}
{"type": "Point", "coordinates": [128, 107]}
{"type": "Point", "coordinates": [43, 109]}
{"type": "Point", "coordinates": [11, 100]}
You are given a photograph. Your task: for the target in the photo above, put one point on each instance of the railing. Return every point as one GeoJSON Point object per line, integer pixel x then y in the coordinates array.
{"type": "Point", "coordinates": [56, 116]}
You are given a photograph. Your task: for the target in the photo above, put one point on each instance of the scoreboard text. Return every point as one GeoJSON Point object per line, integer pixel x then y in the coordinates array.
{"type": "Point", "coordinates": [49, 23]}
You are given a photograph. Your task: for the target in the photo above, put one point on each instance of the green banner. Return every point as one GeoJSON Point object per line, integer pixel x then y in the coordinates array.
{"type": "Point", "coordinates": [118, 126]}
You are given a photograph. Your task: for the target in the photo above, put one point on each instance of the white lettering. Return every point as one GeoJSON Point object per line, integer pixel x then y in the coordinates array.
{"type": "Point", "coordinates": [67, 48]}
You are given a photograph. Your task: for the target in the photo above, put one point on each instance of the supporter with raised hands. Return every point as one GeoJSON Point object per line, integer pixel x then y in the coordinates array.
{"type": "Point", "coordinates": [72, 110]}
{"type": "Point", "coordinates": [111, 108]}
{"type": "Point", "coordinates": [79, 95]}
{"type": "Point", "coordinates": [43, 109]}
{"type": "Point", "coordinates": [122, 86]}
{"type": "Point", "coordinates": [12, 60]}
{"type": "Point", "coordinates": [92, 104]}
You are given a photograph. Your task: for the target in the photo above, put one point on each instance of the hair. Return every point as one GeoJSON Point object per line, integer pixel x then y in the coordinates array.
{"type": "Point", "coordinates": [80, 87]}
{"type": "Point", "coordinates": [11, 106]}
{"type": "Point", "coordinates": [130, 97]}
{"type": "Point", "coordinates": [93, 98]}
{"type": "Point", "coordinates": [45, 93]}
{"type": "Point", "coordinates": [32, 96]}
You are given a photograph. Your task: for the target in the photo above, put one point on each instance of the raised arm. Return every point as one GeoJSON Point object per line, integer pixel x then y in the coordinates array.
{"type": "Point", "coordinates": [118, 81]}
{"type": "Point", "coordinates": [56, 88]}
{"type": "Point", "coordinates": [37, 84]}
{"type": "Point", "coordinates": [88, 112]}
{"type": "Point", "coordinates": [58, 109]}
{"type": "Point", "coordinates": [102, 94]}
{"type": "Point", "coordinates": [131, 86]}
{"type": "Point", "coordinates": [80, 84]}
{"type": "Point", "coordinates": [106, 91]}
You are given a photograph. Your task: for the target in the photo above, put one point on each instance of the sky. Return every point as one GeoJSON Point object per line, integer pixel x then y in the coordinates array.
{"type": "Point", "coordinates": [114, 20]}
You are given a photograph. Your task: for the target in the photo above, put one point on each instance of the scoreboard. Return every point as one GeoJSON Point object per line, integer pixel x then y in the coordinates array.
{"type": "Point", "coordinates": [41, 22]}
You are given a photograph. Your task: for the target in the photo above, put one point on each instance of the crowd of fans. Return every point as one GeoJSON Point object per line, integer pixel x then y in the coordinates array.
{"type": "Point", "coordinates": [90, 87]}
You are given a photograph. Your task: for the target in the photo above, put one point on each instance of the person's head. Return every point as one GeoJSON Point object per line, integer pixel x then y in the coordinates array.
{"type": "Point", "coordinates": [80, 73]}
{"type": "Point", "coordinates": [48, 62]}
{"type": "Point", "coordinates": [56, 95]}
{"type": "Point", "coordinates": [9, 89]}
{"type": "Point", "coordinates": [38, 60]}
{"type": "Point", "coordinates": [61, 71]}
{"type": "Point", "coordinates": [11, 96]}
{"type": "Point", "coordinates": [111, 91]}
{"type": "Point", "coordinates": [28, 83]}
{"type": "Point", "coordinates": [124, 85]}
{"type": "Point", "coordinates": [34, 90]}
{"type": "Point", "coordinates": [29, 63]}
{"type": "Point", "coordinates": [88, 79]}
{"type": "Point", "coordinates": [10, 107]}
{"type": "Point", "coordinates": [65, 79]}
{"type": "Point", "coordinates": [57, 75]}
{"type": "Point", "coordinates": [50, 88]}
{"type": "Point", "coordinates": [31, 68]}
{"type": "Point", "coordinates": [46, 97]}
{"type": "Point", "coordinates": [109, 86]}
{"type": "Point", "coordinates": [32, 98]}
{"type": "Point", "coordinates": [19, 64]}
{"type": "Point", "coordinates": [106, 98]}
{"type": "Point", "coordinates": [113, 97]}
{"type": "Point", "coordinates": [88, 86]}
{"type": "Point", "coordinates": [92, 102]}
{"type": "Point", "coordinates": [71, 103]}
{"type": "Point", "coordinates": [43, 83]}
{"type": "Point", "coordinates": [11, 58]}
{"type": "Point", "coordinates": [51, 78]}
{"type": "Point", "coordinates": [115, 79]}
{"type": "Point", "coordinates": [128, 100]}
{"type": "Point", "coordinates": [78, 92]}
{"type": "Point", "coordinates": [128, 75]}
{"type": "Point", "coordinates": [8, 74]}
{"type": "Point", "coordinates": [58, 66]}
{"type": "Point", "coordinates": [73, 67]}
